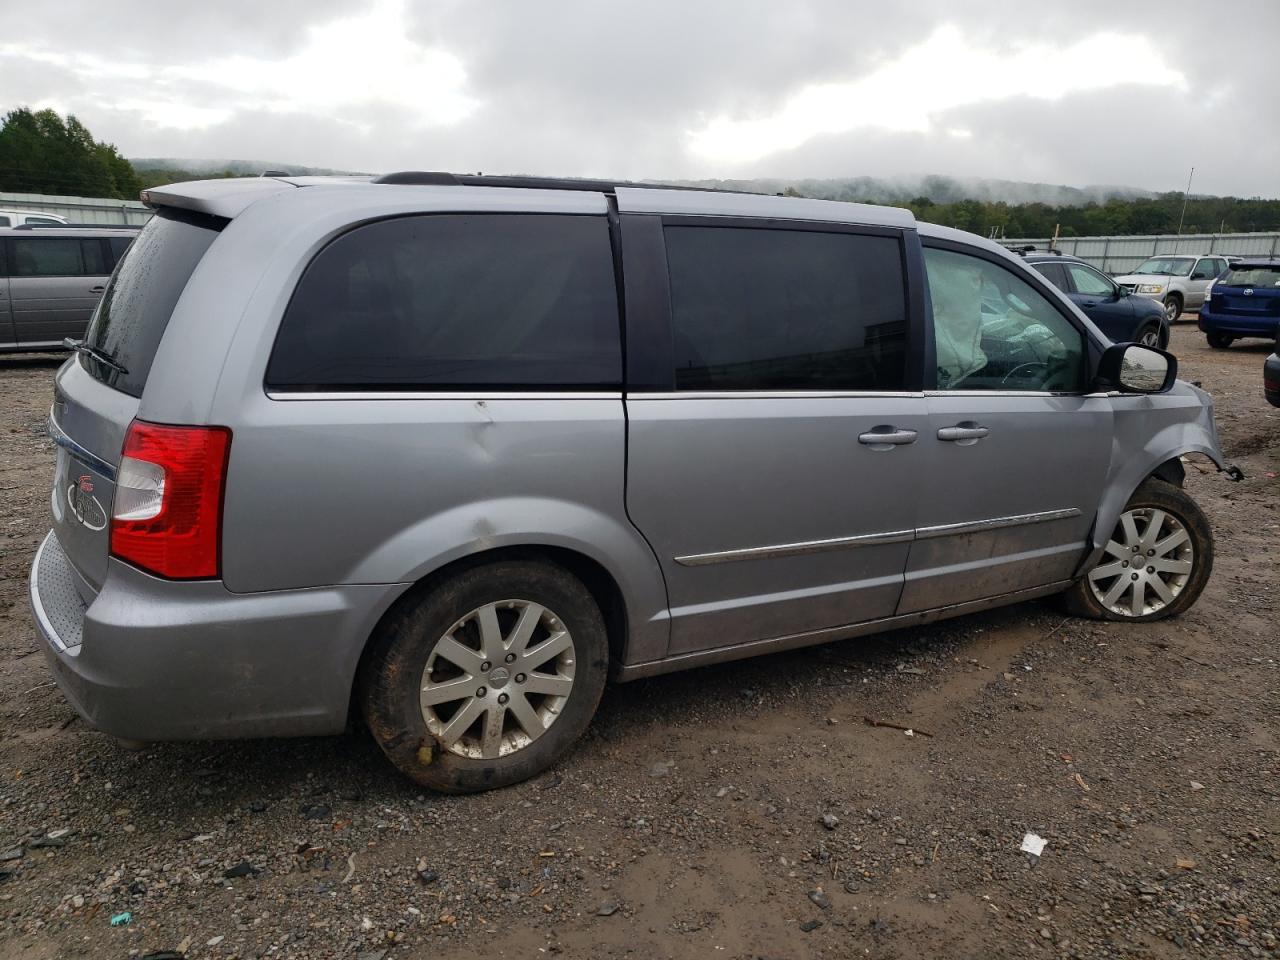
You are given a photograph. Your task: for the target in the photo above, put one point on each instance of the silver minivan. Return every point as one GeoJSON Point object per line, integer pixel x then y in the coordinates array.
{"type": "Point", "coordinates": [51, 278]}
{"type": "Point", "coordinates": [449, 452]}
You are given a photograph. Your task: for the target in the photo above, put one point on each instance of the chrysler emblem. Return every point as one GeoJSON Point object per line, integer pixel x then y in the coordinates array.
{"type": "Point", "coordinates": [84, 506]}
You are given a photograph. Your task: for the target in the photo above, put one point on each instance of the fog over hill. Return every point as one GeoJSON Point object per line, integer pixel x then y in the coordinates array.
{"type": "Point", "coordinates": [888, 190]}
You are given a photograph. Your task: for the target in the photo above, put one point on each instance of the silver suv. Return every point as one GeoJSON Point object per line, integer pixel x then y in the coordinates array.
{"type": "Point", "coordinates": [451, 451]}
{"type": "Point", "coordinates": [1178, 282]}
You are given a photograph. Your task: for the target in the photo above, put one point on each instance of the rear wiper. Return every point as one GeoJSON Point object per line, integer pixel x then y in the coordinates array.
{"type": "Point", "coordinates": [79, 346]}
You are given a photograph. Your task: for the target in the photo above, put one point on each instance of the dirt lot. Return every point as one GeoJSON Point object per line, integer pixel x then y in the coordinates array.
{"type": "Point", "coordinates": [690, 822]}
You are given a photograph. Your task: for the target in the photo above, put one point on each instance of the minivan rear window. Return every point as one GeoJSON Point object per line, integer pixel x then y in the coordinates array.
{"type": "Point", "coordinates": [455, 302]}
{"type": "Point", "coordinates": [142, 293]}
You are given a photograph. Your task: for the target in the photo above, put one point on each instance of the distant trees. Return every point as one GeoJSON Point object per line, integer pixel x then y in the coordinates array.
{"type": "Point", "coordinates": [1146, 215]}
{"type": "Point", "coordinates": [40, 152]}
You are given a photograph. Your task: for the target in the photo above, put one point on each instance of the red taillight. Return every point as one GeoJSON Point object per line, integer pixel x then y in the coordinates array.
{"type": "Point", "coordinates": [167, 514]}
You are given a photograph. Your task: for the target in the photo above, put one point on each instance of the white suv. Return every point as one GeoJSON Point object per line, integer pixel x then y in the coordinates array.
{"type": "Point", "coordinates": [1179, 282]}
{"type": "Point", "coordinates": [16, 218]}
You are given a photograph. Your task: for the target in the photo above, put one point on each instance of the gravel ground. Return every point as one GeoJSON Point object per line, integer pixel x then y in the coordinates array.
{"type": "Point", "coordinates": [741, 811]}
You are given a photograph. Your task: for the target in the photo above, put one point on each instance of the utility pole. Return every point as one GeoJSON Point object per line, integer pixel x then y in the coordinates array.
{"type": "Point", "coordinates": [1185, 195]}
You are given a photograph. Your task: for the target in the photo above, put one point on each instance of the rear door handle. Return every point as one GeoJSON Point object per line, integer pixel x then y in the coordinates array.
{"type": "Point", "coordinates": [886, 437]}
{"type": "Point", "coordinates": [965, 433]}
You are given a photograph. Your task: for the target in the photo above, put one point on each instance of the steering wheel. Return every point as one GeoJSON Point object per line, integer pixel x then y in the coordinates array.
{"type": "Point", "coordinates": [1024, 370]}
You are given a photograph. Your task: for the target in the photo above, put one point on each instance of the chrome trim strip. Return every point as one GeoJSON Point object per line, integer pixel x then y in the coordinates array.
{"type": "Point", "coordinates": [773, 395]}
{"type": "Point", "coordinates": [42, 618]}
{"type": "Point", "coordinates": [995, 523]}
{"type": "Point", "coordinates": [872, 539]}
{"type": "Point", "coordinates": [698, 658]}
{"type": "Point", "coordinates": [796, 549]}
{"type": "Point", "coordinates": [1014, 393]}
{"type": "Point", "coordinates": [443, 395]}
{"type": "Point", "coordinates": [62, 439]}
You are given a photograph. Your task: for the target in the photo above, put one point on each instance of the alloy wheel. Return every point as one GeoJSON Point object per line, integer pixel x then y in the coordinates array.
{"type": "Point", "coordinates": [1145, 565]}
{"type": "Point", "coordinates": [1172, 310]}
{"type": "Point", "coordinates": [497, 679]}
{"type": "Point", "coordinates": [1150, 337]}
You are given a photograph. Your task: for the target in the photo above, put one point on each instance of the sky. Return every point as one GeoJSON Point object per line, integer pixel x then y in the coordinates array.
{"type": "Point", "coordinates": [1083, 93]}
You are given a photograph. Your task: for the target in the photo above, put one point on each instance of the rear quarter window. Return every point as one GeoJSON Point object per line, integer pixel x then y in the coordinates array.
{"type": "Point", "coordinates": [455, 302]}
{"type": "Point", "coordinates": [142, 293]}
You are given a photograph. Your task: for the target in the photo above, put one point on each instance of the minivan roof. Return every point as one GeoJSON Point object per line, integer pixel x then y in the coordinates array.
{"type": "Point", "coordinates": [229, 197]}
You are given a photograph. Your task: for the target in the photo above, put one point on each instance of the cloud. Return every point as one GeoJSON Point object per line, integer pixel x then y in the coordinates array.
{"type": "Point", "coordinates": [1087, 92]}
{"type": "Point", "coordinates": [944, 72]}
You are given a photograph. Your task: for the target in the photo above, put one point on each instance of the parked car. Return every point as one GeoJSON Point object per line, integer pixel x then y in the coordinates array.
{"type": "Point", "coordinates": [1112, 308]}
{"type": "Point", "coordinates": [51, 278]}
{"type": "Point", "coordinates": [15, 218]}
{"type": "Point", "coordinates": [1178, 282]}
{"type": "Point", "coordinates": [1245, 302]}
{"type": "Point", "coordinates": [379, 444]}
{"type": "Point", "coordinates": [1271, 376]}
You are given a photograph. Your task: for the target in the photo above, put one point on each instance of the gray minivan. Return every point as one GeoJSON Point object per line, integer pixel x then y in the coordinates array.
{"type": "Point", "coordinates": [451, 451]}
{"type": "Point", "coordinates": [51, 278]}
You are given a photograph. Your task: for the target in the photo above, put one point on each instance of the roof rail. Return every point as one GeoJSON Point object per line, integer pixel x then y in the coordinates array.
{"type": "Point", "coordinates": [436, 178]}
{"type": "Point", "coordinates": [78, 226]}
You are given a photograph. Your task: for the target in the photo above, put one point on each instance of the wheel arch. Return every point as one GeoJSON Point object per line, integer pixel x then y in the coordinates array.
{"type": "Point", "coordinates": [599, 582]}
{"type": "Point", "coordinates": [1120, 489]}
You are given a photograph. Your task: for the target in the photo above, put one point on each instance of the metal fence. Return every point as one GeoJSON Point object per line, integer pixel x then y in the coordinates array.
{"type": "Point", "coordinates": [79, 209]}
{"type": "Point", "coordinates": [1118, 255]}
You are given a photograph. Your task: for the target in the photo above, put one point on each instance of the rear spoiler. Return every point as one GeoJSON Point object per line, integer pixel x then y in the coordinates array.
{"type": "Point", "coordinates": [225, 198]}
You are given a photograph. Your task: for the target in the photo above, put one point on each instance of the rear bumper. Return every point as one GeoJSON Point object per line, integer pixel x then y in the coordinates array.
{"type": "Point", "coordinates": [149, 659]}
{"type": "Point", "coordinates": [1238, 325]}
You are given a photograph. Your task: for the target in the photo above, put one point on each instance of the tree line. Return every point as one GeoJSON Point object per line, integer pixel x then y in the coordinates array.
{"type": "Point", "coordinates": [41, 152]}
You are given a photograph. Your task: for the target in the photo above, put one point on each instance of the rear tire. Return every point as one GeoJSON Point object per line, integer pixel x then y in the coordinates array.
{"type": "Point", "coordinates": [1178, 553]}
{"type": "Point", "coordinates": [1219, 341]}
{"type": "Point", "coordinates": [456, 653]}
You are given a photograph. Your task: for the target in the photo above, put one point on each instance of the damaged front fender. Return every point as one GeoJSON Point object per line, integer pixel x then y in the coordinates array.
{"type": "Point", "coordinates": [1151, 431]}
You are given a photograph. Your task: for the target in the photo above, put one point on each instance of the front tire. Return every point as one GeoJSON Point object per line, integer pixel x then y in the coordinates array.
{"type": "Point", "coordinates": [1156, 563]}
{"type": "Point", "coordinates": [1219, 341]}
{"type": "Point", "coordinates": [1151, 336]}
{"type": "Point", "coordinates": [487, 679]}
{"type": "Point", "coordinates": [1172, 308]}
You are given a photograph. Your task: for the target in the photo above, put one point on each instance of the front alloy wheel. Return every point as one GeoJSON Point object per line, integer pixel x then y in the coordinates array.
{"type": "Point", "coordinates": [1172, 309]}
{"type": "Point", "coordinates": [1150, 337]}
{"type": "Point", "coordinates": [1146, 567]}
{"type": "Point", "coordinates": [1156, 562]}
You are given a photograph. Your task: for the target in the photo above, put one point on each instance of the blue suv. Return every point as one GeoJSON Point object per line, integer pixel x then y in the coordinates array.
{"type": "Point", "coordinates": [1121, 316]}
{"type": "Point", "coordinates": [1243, 302]}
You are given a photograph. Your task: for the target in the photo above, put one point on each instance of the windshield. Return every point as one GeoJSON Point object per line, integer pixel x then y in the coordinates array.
{"type": "Point", "coordinates": [1251, 277]}
{"type": "Point", "coordinates": [1172, 266]}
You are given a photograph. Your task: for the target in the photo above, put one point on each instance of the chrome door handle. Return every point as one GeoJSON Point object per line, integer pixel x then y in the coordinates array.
{"type": "Point", "coordinates": [886, 438]}
{"type": "Point", "coordinates": [965, 433]}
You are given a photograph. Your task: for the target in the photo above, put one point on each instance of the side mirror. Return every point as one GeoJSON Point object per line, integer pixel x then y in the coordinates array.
{"type": "Point", "coordinates": [1133, 368]}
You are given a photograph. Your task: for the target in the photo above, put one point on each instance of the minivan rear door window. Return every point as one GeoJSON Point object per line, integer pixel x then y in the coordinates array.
{"type": "Point", "coordinates": [768, 309]}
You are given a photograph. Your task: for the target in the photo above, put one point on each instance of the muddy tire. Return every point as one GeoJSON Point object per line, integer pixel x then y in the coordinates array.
{"type": "Point", "coordinates": [1167, 571]}
{"type": "Point", "coordinates": [488, 678]}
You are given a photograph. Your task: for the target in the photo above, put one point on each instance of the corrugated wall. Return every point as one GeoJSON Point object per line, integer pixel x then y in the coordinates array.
{"type": "Point", "coordinates": [1117, 255]}
{"type": "Point", "coordinates": [79, 209]}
